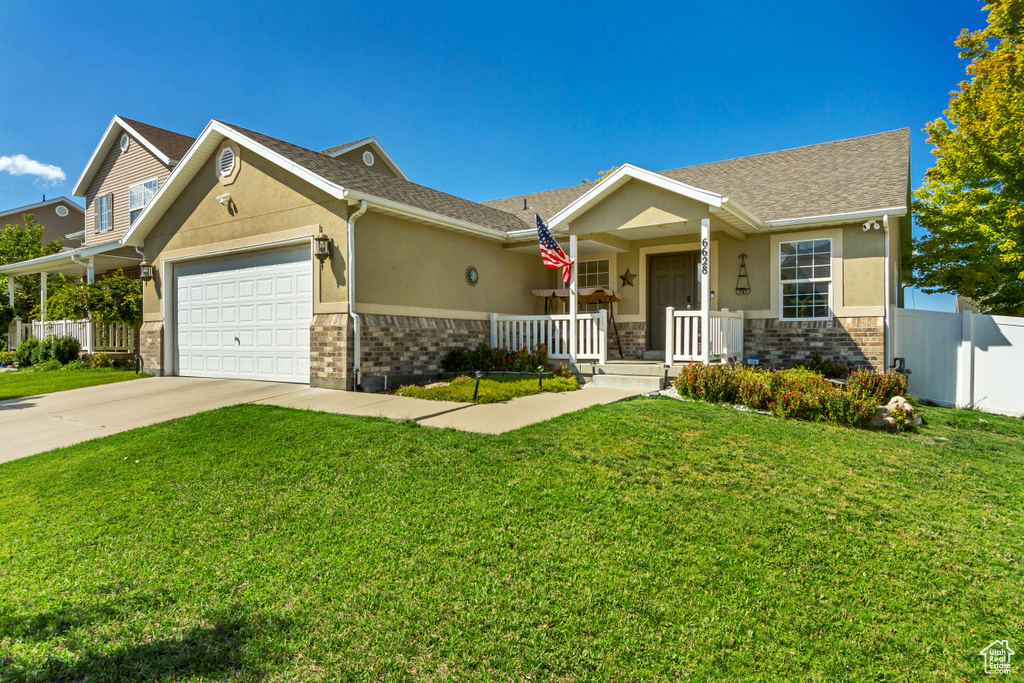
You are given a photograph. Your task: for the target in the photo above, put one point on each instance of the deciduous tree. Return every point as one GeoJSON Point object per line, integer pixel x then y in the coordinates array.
{"type": "Point", "coordinates": [972, 200]}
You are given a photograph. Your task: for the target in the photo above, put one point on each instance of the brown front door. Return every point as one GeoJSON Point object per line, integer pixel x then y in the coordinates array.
{"type": "Point", "coordinates": [672, 282]}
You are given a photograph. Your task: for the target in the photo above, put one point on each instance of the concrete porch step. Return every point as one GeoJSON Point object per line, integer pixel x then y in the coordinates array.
{"type": "Point", "coordinates": [625, 368]}
{"type": "Point", "coordinates": [641, 382]}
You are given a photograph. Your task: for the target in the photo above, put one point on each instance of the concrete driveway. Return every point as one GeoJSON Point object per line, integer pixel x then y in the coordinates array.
{"type": "Point", "coordinates": [39, 423]}
{"type": "Point", "coordinates": [35, 424]}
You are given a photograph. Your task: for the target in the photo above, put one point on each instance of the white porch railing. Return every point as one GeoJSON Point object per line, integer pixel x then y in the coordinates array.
{"type": "Point", "coordinates": [514, 332]}
{"type": "Point", "coordinates": [92, 336]}
{"type": "Point", "coordinates": [684, 339]}
{"type": "Point", "coordinates": [726, 334]}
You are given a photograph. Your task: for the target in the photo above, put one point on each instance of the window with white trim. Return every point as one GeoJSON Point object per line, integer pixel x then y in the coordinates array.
{"type": "Point", "coordinates": [139, 197]}
{"type": "Point", "coordinates": [805, 280]}
{"type": "Point", "coordinates": [593, 274]}
{"type": "Point", "coordinates": [103, 215]}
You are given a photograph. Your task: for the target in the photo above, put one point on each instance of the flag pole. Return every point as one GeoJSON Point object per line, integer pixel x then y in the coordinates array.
{"type": "Point", "coordinates": [574, 303]}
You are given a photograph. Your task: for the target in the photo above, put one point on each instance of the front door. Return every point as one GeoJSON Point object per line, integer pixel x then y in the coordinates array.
{"type": "Point", "coordinates": [672, 282]}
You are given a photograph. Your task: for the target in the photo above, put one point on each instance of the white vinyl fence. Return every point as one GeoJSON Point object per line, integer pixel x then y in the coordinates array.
{"type": "Point", "coordinates": [963, 359]}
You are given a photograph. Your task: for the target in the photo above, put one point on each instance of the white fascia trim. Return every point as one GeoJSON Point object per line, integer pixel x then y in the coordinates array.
{"type": "Point", "coordinates": [430, 216]}
{"type": "Point", "coordinates": [101, 150]}
{"type": "Point", "coordinates": [29, 267]}
{"type": "Point", "coordinates": [137, 233]}
{"type": "Point", "coordinates": [48, 202]}
{"type": "Point", "coordinates": [741, 212]}
{"type": "Point", "coordinates": [80, 235]}
{"type": "Point", "coordinates": [380, 150]}
{"type": "Point", "coordinates": [622, 174]}
{"type": "Point", "coordinates": [833, 218]}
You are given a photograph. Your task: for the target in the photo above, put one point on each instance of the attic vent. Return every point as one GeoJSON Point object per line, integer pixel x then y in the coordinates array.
{"type": "Point", "coordinates": [124, 142]}
{"type": "Point", "coordinates": [368, 158]}
{"type": "Point", "coordinates": [62, 211]}
{"type": "Point", "coordinates": [227, 161]}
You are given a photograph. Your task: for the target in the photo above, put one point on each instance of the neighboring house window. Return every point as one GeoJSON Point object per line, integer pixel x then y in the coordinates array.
{"type": "Point", "coordinates": [805, 279]}
{"type": "Point", "coordinates": [139, 197]}
{"type": "Point", "coordinates": [103, 215]}
{"type": "Point", "coordinates": [593, 274]}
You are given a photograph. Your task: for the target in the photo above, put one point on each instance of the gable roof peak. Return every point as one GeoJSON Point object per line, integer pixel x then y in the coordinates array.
{"type": "Point", "coordinates": [167, 146]}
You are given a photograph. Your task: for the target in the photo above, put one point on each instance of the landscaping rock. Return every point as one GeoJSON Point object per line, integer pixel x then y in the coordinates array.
{"type": "Point", "coordinates": [886, 420]}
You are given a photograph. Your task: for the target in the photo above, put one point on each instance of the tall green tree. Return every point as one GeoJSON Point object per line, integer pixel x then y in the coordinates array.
{"type": "Point", "coordinates": [21, 243]}
{"type": "Point", "coordinates": [972, 200]}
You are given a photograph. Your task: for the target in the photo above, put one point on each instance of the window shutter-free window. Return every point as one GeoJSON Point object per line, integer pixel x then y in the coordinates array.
{"type": "Point", "coordinates": [805, 279]}
{"type": "Point", "coordinates": [139, 197]}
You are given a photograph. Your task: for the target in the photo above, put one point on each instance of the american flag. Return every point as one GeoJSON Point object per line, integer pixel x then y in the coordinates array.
{"type": "Point", "coordinates": [551, 253]}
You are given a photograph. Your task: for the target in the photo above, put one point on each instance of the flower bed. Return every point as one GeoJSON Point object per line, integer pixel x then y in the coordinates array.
{"type": "Point", "coordinates": [799, 393]}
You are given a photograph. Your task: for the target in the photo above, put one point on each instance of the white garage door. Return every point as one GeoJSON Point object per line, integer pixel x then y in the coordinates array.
{"type": "Point", "coordinates": [245, 317]}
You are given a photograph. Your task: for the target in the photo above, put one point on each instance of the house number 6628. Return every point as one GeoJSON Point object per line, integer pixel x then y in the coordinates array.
{"type": "Point", "coordinates": [704, 257]}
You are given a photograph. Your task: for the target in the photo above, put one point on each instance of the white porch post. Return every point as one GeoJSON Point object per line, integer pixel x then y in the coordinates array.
{"type": "Point", "coordinates": [670, 329]}
{"type": "Point", "coordinates": [42, 297]}
{"type": "Point", "coordinates": [705, 290]}
{"type": "Point", "coordinates": [90, 272]}
{"type": "Point", "coordinates": [13, 337]}
{"type": "Point", "coordinates": [574, 304]}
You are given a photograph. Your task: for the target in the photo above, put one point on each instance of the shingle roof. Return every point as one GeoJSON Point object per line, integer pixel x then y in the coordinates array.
{"type": "Point", "coordinates": [856, 174]}
{"type": "Point", "coordinates": [329, 150]}
{"type": "Point", "coordinates": [361, 179]}
{"type": "Point", "coordinates": [174, 145]}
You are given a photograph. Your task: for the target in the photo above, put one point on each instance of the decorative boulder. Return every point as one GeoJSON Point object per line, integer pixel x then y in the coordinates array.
{"type": "Point", "coordinates": [888, 417]}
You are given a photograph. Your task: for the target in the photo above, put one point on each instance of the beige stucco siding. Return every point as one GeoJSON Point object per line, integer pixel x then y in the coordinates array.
{"type": "Point", "coordinates": [119, 171]}
{"type": "Point", "coordinates": [402, 267]}
{"type": "Point", "coordinates": [400, 263]}
{"type": "Point", "coordinates": [268, 204]}
{"type": "Point", "coordinates": [863, 266]}
{"type": "Point", "coordinates": [55, 227]}
{"type": "Point", "coordinates": [638, 205]}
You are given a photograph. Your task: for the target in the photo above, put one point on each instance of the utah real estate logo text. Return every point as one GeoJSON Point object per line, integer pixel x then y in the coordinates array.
{"type": "Point", "coordinates": [997, 657]}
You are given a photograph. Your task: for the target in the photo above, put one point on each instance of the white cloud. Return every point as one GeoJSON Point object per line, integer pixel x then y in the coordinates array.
{"type": "Point", "coordinates": [19, 164]}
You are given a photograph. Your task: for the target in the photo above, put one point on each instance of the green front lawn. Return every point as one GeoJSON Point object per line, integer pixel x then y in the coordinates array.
{"type": "Point", "coordinates": [652, 540]}
{"type": "Point", "coordinates": [493, 388]}
{"type": "Point", "coordinates": [32, 383]}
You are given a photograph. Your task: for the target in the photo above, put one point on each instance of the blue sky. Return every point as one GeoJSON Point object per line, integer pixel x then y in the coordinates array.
{"type": "Point", "coordinates": [479, 99]}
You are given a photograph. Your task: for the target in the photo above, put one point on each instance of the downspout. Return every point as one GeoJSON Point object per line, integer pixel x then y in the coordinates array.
{"type": "Point", "coordinates": [357, 323]}
{"type": "Point", "coordinates": [888, 285]}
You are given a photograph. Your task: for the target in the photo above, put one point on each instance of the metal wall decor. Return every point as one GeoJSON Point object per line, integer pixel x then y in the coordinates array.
{"type": "Point", "coordinates": [743, 282]}
{"type": "Point", "coordinates": [472, 276]}
{"type": "Point", "coordinates": [627, 278]}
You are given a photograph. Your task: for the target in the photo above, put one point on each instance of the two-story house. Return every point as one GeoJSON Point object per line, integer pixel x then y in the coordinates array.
{"type": "Point", "coordinates": [124, 173]}
{"type": "Point", "coordinates": [60, 218]}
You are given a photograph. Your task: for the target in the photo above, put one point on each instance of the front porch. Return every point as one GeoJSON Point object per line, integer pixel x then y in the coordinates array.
{"type": "Point", "coordinates": [662, 240]}
{"type": "Point", "coordinates": [85, 263]}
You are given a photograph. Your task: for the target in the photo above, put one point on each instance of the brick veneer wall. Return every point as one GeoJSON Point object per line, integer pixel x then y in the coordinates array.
{"type": "Point", "coordinates": [847, 340]}
{"type": "Point", "coordinates": [632, 335]}
{"type": "Point", "coordinates": [151, 348]}
{"type": "Point", "coordinates": [407, 349]}
{"type": "Point", "coordinates": [330, 351]}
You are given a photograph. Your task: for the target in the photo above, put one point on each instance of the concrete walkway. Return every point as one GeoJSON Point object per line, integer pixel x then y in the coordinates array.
{"type": "Point", "coordinates": [36, 424]}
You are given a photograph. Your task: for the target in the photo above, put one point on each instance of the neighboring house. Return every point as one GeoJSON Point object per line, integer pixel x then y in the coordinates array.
{"type": "Point", "coordinates": [410, 272]}
{"type": "Point", "coordinates": [124, 173]}
{"type": "Point", "coordinates": [61, 218]}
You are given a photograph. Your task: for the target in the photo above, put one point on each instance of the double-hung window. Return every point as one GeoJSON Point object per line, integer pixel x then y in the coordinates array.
{"type": "Point", "coordinates": [103, 216]}
{"type": "Point", "coordinates": [139, 197]}
{"type": "Point", "coordinates": [593, 274]}
{"type": "Point", "coordinates": [805, 279]}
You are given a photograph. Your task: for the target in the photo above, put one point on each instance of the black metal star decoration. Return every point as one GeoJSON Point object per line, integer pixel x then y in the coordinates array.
{"type": "Point", "coordinates": [627, 278]}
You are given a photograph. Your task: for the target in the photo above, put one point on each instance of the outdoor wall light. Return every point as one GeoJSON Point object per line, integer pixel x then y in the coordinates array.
{"type": "Point", "coordinates": [145, 271]}
{"type": "Point", "coordinates": [322, 246]}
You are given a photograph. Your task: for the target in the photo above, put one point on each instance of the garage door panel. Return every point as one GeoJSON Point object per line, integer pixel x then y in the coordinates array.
{"type": "Point", "coordinates": [245, 317]}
